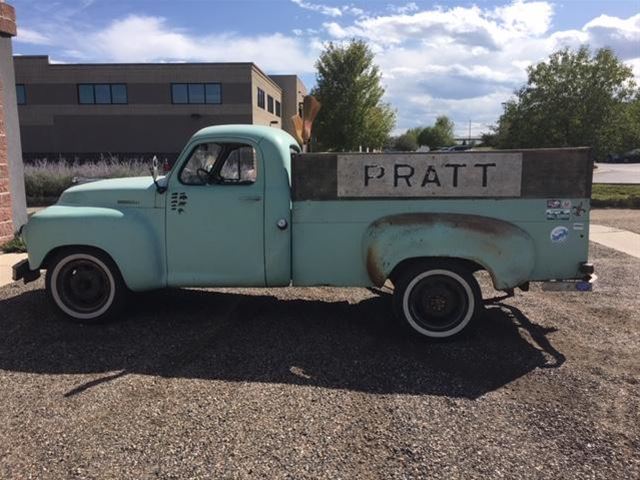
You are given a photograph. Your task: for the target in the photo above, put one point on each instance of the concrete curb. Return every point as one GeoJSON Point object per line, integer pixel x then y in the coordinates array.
{"type": "Point", "coordinates": [8, 260]}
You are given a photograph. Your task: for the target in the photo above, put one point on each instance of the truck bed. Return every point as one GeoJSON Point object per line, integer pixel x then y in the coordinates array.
{"type": "Point", "coordinates": [544, 193]}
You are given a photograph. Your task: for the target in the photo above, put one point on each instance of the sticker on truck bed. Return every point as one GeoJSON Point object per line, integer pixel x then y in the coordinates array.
{"type": "Point", "coordinates": [450, 175]}
{"type": "Point", "coordinates": [559, 234]}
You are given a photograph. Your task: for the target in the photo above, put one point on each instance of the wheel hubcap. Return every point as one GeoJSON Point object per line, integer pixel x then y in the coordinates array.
{"type": "Point", "coordinates": [438, 303]}
{"type": "Point", "coordinates": [83, 286]}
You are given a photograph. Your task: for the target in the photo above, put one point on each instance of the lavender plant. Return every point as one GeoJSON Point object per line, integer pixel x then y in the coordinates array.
{"type": "Point", "coordinates": [45, 180]}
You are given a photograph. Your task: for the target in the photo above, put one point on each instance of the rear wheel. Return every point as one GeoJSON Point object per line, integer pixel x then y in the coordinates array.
{"type": "Point", "coordinates": [436, 299]}
{"type": "Point", "coordinates": [85, 285]}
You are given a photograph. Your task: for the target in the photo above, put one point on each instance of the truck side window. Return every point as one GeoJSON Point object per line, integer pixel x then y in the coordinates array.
{"type": "Point", "coordinates": [200, 165]}
{"type": "Point", "coordinates": [239, 166]}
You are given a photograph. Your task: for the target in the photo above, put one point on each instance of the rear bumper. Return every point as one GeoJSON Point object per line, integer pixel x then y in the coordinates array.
{"type": "Point", "coordinates": [21, 270]}
{"type": "Point", "coordinates": [583, 285]}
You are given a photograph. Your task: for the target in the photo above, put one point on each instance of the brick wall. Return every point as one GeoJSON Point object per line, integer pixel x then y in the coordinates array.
{"type": "Point", "coordinates": [7, 29]}
{"type": "Point", "coordinates": [6, 225]}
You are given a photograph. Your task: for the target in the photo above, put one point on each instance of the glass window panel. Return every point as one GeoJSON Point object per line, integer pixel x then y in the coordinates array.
{"type": "Point", "coordinates": [85, 93]}
{"type": "Point", "coordinates": [196, 93]}
{"type": "Point", "coordinates": [240, 166]}
{"type": "Point", "coordinates": [260, 98]}
{"type": "Point", "coordinates": [21, 94]}
{"type": "Point", "coordinates": [119, 93]}
{"type": "Point", "coordinates": [270, 104]}
{"type": "Point", "coordinates": [103, 93]}
{"type": "Point", "coordinates": [179, 93]}
{"type": "Point", "coordinates": [200, 164]}
{"type": "Point", "coordinates": [278, 108]}
{"type": "Point", "coordinates": [213, 93]}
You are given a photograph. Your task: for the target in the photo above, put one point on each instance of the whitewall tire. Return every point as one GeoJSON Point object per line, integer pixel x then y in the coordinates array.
{"type": "Point", "coordinates": [85, 285]}
{"type": "Point", "coordinates": [436, 299]}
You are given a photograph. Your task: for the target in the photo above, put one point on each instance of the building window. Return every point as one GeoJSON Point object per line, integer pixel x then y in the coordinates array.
{"type": "Point", "coordinates": [213, 93]}
{"type": "Point", "coordinates": [300, 108]}
{"type": "Point", "coordinates": [179, 93]}
{"type": "Point", "coordinates": [102, 93]}
{"type": "Point", "coordinates": [119, 93]}
{"type": "Point", "coordinates": [270, 104]}
{"type": "Point", "coordinates": [21, 94]}
{"type": "Point", "coordinates": [85, 94]}
{"type": "Point", "coordinates": [278, 109]}
{"type": "Point", "coordinates": [197, 93]}
{"type": "Point", "coordinates": [260, 97]}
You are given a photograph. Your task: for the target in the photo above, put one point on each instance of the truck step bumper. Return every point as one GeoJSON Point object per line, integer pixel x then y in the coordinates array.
{"type": "Point", "coordinates": [584, 285]}
{"type": "Point", "coordinates": [21, 270]}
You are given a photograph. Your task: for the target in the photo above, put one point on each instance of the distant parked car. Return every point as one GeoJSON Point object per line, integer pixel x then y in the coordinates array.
{"type": "Point", "coordinates": [455, 148]}
{"type": "Point", "coordinates": [632, 156]}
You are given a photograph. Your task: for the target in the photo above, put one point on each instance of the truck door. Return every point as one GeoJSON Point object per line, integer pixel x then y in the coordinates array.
{"type": "Point", "coordinates": [215, 218]}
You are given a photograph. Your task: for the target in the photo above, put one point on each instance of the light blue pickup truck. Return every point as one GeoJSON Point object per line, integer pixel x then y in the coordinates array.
{"type": "Point", "coordinates": [242, 207]}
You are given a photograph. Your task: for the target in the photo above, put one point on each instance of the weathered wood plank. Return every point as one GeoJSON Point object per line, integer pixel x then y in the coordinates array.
{"type": "Point", "coordinates": [540, 173]}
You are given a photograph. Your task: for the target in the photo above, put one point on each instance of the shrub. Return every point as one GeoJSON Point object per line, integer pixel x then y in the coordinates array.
{"type": "Point", "coordinates": [14, 246]}
{"type": "Point", "coordinates": [46, 180]}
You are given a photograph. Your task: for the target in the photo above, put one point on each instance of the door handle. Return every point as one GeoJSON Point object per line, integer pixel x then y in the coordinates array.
{"type": "Point", "coordinates": [251, 198]}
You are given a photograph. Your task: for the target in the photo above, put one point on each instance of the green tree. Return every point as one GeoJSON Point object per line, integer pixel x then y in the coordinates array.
{"type": "Point", "coordinates": [574, 99]}
{"type": "Point", "coordinates": [349, 88]}
{"type": "Point", "coordinates": [406, 142]}
{"type": "Point", "coordinates": [489, 140]}
{"type": "Point", "coordinates": [415, 132]}
{"type": "Point", "coordinates": [439, 135]}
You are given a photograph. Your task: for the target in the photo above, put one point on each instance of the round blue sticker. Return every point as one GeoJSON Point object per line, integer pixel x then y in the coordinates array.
{"type": "Point", "coordinates": [559, 234]}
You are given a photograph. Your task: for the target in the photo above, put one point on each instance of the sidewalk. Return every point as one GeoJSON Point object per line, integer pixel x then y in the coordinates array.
{"type": "Point", "coordinates": [8, 260]}
{"type": "Point", "coordinates": [616, 238]}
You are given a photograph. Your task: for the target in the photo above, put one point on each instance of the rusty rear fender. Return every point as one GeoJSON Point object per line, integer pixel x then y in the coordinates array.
{"type": "Point", "coordinates": [503, 249]}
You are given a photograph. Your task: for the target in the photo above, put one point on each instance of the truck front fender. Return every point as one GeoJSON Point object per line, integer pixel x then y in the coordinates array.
{"type": "Point", "coordinates": [134, 238]}
{"type": "Point", "coordinates": [506, 251]}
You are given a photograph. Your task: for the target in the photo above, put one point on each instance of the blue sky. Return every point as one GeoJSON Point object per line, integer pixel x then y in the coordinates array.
{"type": "Point", "coordinates": [462, 59]}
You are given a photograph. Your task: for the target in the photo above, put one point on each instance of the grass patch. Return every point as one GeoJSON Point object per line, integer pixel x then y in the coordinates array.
{"type": "Point", "coordinates": [14, 246]}
{"type": "Point", "coordinates": [612, 195]}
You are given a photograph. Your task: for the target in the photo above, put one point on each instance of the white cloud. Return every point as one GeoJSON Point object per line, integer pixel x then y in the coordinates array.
{"type": "Point", "coordinates": [617, 33]}
{"type": "Point", "coordinates": [317, 7]}
{"type": "Point", "coordinates": [328, 10]}
{"type": "Point", "coordinates": [31, 36]}
{"type": "Point", "coordinates": [407, 8]}
{"type": "Point", "coordinates": [468, 25]}
{"type": "Point", "coordinates": [150, 39]}
{"type": "Point", "coordinates": [529, 18]}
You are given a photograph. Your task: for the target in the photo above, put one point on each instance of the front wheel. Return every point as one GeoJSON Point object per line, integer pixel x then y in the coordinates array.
{"type": "Point", "coordinates": [85, 285]}
{"type": "Point", "coordinates": [436, 299]}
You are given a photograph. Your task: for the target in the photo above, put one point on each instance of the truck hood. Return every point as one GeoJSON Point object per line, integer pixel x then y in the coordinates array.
{"type": "Point", "coordinates": [133, 192]}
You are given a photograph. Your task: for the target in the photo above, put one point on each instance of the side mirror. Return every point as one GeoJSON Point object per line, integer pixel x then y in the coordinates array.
{"type": "Point", "coordinates": [154, 173]}
{"type": "Point", "coordinates": [156, 168]}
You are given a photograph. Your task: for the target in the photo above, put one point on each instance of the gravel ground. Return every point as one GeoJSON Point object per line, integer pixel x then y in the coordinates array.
{"type": "Point", "coordinates": [315, 383]}
{"type": "Point", "coordinates": [617, 218]}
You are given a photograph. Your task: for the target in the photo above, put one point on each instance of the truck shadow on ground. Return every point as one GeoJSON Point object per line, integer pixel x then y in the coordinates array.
{"type": "Point", "coordinates": [259, 338]}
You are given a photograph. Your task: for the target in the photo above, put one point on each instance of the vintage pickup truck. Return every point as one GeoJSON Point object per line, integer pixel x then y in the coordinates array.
{"type": "Point", "coordinates": [242, 207]}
